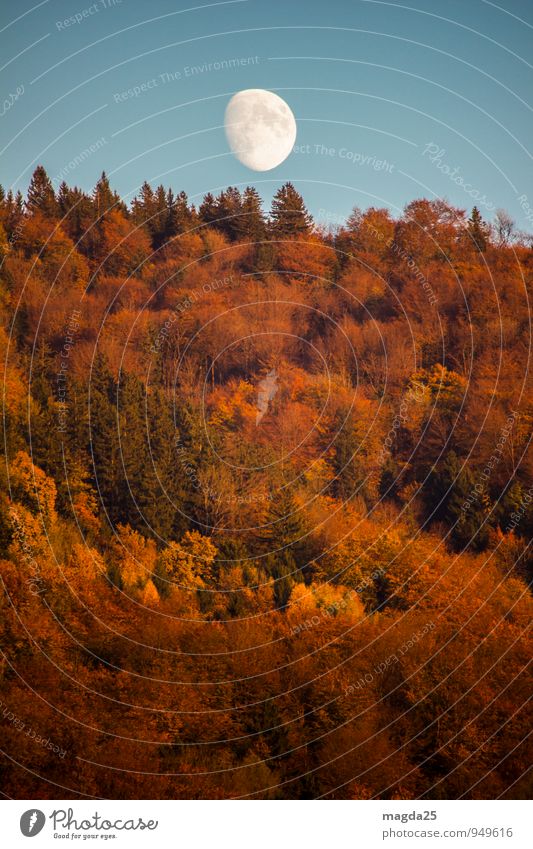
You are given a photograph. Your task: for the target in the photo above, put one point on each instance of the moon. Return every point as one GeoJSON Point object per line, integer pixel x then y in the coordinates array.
{"type": "Point", "coordinates": [260, 128]}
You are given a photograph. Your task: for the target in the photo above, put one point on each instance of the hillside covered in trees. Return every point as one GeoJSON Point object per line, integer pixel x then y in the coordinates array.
{"type": "Point", "coordinates": [211, 589]}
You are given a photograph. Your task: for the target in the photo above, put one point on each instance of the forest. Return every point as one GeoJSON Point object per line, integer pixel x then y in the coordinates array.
{"type": "Point", "coordinates": [212, 589]}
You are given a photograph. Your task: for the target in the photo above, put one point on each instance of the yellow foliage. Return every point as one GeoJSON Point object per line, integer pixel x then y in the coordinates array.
{"type": "Point", "coordinates": [33, 487]}
{"type": "Point", "coordinates": [136, 557]}
{"type": "Point", "coordinates": [149, 595]}
{"type": "Point", "coordinates": [232, 410]}
{"type": "Point", "coordinates": [87, 562]}
{"type": "Point", "coordinates": [189, 562]}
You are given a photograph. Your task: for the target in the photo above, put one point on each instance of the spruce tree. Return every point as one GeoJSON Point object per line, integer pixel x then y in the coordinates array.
{"type": "Point", "coordinates": [347, 461]}
{"type": "Point", "coordinates": [229, 209]}
{"type": "Point", "coordinates": [183, 216]}
{"type": "Point", "coordinates": [283, 538]}
{"type": "Point", "coordinates": [134, 459]}
{"type": "Point", "coordinates": [164, 496]}
{"type": "Point", "coordinates": [252, 225]}
{"type": "Point", "coordinates": [143, 206]}
{"type": "Point", "coordinates": [478, 230]}
{"type": "Point", "coordinates": [76, 211]}
{"type": "Point", "coordinates": [12, 214]}
{"type": "Point", "coordinates": [41, 196]}
{"type": "Point", "coordinates": [289, 214]}
{"type": "Point", "coordinates": [452, 496]}
{"type": "Point", "coordinates": [159, 222]}
{"type": "Point", "coordinates": [105, 199]}
{"type": "Point", "coordinates": [208, 210]}
{"type": "Point", "coordinates": [102, 438]}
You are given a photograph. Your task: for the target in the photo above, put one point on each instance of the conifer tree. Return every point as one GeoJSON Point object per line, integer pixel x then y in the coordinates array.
{"type": "Point", "coordinates": [182, 214]}
{"type": "Point", "coordinates": [143, 206]}
{"type": "Point", "coordinates": [289, 214]}
{"type": "Point", "coordinates": [41, 196]}
{"type": "Point", "coordinates": [349, 470]}
{"type": "Point", "coordinates": [283, 535]}
{"type": "Point", "coordinates": [452, 496]}
{"type": "Point", "coordinates": [76, 211]}
{"type": "Point", "coordinates": [12, 211]}
{"type": "Point", "coordinates": [252, 225]}
{"type": "Point", "coordinates": [478, 230]}
{"type": "Point", "coordinates": [105, 199]}
{"type": "Point", "coordinates": [208, 210]}
{"type": "Point", "coordinates": [229, 209]}
{"type": "Point", "coordinates": [179, 216]}
{"type": "Point", "coordinates": [102, 437]}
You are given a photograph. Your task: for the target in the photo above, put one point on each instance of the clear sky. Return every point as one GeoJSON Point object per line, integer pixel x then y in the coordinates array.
{"type": "Point", "coordinates": [393, 101]}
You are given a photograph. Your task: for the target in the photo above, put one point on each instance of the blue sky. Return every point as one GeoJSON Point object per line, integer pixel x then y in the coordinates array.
{"type": "Point", "coordinates": [393, 101]}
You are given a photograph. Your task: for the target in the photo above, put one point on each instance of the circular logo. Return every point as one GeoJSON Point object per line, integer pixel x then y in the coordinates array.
{"type": "Point", "coordinates": [32, 822]}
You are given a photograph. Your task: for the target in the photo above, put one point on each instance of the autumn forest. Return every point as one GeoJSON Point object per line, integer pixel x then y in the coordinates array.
{"type": "Point", "coordinates": [266, 498]}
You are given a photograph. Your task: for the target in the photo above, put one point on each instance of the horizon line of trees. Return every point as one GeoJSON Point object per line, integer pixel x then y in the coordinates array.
{"type": "Point", "coordinates": [237, 214]}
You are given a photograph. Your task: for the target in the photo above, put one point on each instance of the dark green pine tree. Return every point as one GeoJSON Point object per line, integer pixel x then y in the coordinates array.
{"type": "Point", "coordinates": [282, 537]}
{"type": "Point", "coordinates": [289, 215]}
{"type": "Point", "coordinates": [182, 217]}
{"type": "Point", "coordinates": [46, 439]}
{"type": "Point", "coordinates": [282, 569]}
{"type": "Point", "coordinates": [347, 462]}
{"type": "Point", "coordinates": [451, 497]}
{"type": "Point", "coordinates": [284, 527]}
{"type": "Point", "coordinates": [41, 196]}
{"type": "Point", "coordinates": [102, 444]}
{"type": "Point", "coordinates": [229, 210]}
{"type": "Point", "coordinates": [164, 497]}
{"type": "Point", "coordinates": [152, 209]}
{"type": "Point", "coordinates": [76, 211]}
{"type": "Point", "coordinates": [159, 221]}
{"type": "Point", "coordinates": [143, 205]}
{"type": "Point", "coordinates": [478, 230]}
{"type": "Point", "coordinates": [208, 210]}
{"type": "Point", "coordinates": [389, 481]}
{"type": "Point", "coordinates": [105, 199]}
{"type": "Point", "coordinates": [252, 225]}
{"type": "Point", "coordinates": [12, 211]}
{"type": "Point", "coordinates": [138, 494]}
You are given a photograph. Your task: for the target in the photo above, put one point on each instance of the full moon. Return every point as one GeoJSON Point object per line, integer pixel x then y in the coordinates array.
{"type": "Point", "coordinates": [260, 128]}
